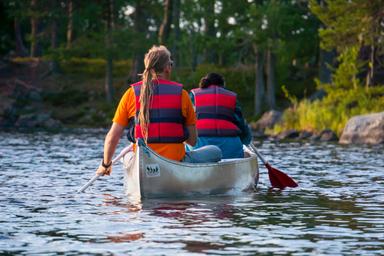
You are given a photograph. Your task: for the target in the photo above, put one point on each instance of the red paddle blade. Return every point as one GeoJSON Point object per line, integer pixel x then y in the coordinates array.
{"type": "Point", "coordinates": [279, 179]}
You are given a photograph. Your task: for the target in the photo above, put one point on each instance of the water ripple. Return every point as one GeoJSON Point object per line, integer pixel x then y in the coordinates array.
{"type": "Point", "coordinates": [338, 208]}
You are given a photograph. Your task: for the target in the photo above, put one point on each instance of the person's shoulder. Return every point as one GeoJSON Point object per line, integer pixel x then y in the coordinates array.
{"type": "Point", "coordinates": [128, 90]}
{"type": "Point", "coordinates": [229, 91]}
{"type": "Point", "coordinates": [185, 97]}
{"type": "Point", "coordinates": [169, 82]}
{"type": "Point", "coordinates": [184, 92]}
{"type": "Point", "coordinates": [196, 89]}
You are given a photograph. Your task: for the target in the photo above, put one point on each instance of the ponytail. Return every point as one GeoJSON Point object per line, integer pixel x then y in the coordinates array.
{"type": "Point", "coordinates": [155, 61]}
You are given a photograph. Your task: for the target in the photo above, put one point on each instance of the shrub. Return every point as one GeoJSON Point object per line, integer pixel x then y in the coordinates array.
{"type": "Point", "coordinates": [333, 111]}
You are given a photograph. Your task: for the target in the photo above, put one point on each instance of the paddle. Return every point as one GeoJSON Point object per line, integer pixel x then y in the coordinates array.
{"type": "Point", "coordinates": [277, 178]}
{"type": "Point", "coordinates": [96, 176]}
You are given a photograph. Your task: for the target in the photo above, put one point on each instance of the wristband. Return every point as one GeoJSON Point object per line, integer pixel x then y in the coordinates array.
{"type": "Point", "coordinates": [106, 166]}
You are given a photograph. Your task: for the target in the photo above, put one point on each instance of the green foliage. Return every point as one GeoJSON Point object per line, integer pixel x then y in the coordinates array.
{"type": "Point", "coordinates": [348, 23]}
{"type": "Point", "coordinates": [333, 111]}
{"type": "Point", "coordinates": [345, 75]}
{"type": "Point", "coordinates": [94, 68]}
{"type": "Point", "coordinates": [290, 97]}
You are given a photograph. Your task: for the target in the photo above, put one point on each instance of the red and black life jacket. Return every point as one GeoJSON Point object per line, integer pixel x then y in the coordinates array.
{"type": "Point", "coordinates": [165, 114]}
{"type": "Point", "coordinates": [215, 109]}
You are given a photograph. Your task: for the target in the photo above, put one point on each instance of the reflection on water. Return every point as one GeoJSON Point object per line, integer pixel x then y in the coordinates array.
{"type": "Point", "coordinates": [338, 208]}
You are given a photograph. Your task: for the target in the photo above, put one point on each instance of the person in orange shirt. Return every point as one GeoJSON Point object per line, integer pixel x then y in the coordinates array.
{"type": "Point", "coordinates": [160, 112]}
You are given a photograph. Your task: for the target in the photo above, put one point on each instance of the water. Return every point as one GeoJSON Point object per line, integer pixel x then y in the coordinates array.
{"type": "Point", "coordinates": [337, 210]}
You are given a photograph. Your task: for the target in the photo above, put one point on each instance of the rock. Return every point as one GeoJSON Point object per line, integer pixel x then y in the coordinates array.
{"type": "Point", "coordinates": [42, 117]}
{"type": "Point", "coordinates": [268, 120]}
{"type": "Point", "coordinates": [33, 120]}
{"type": "Point", "coordinates": [11, 114]}
{"type": "Point", "coordinates": [5, 104]}
{"type": "Point", "coordinates": [26, 121]}
{"type": "Point", "coordinates": [52, 124]}
{"type": "Point", "coordinates": [328, 135]}
{"type": "Point", "coordinates": [258, 134]}
{"type": "Point", "coordinates": [315, 137]}
{"type": "Point", "coordinates": [289, 134]}
{"type": "Point", "coordinates": [304, 135]}
{"type": "Point", "coordinates": [28, 109]}
{"type": "Point", "coordinates": [34, 96]}
{"type": "Point", "coordinates": [364, 129]}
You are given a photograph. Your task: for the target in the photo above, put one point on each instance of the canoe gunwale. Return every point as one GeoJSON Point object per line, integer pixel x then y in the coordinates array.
{"type": "Point", "coordinates": [196, 165]}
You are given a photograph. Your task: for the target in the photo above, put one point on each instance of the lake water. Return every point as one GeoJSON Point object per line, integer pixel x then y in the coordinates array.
{"type": "Point", "coordinates": [337, 210]}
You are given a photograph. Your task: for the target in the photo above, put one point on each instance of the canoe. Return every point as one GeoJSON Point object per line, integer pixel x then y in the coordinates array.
{"type": "Point", "coordinates": [149, 175]}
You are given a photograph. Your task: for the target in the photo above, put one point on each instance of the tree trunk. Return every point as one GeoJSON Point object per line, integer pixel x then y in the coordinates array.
{"type": "Point", "coordinates": [34, 28]}
{"type": "Point", "coordinates": [54, 43]}
{"type": "Point", "coordinates": [70, 24]}
{"type": "Point", "coordinates": [109, 57]}
{"type": "Point", "coordinates": [176, 30]}
{"type": "Point", "coordinates": [165, 26]}
{"type": "Point", "coordinates": [271, 80]}
{"type": "Point", "coordinates": [20, 48]}
{"type": "Point", "coordinates": [139, 25]}
{"type": "Point", "coordinates": [194, 52]}
{"type": "Point", "coordinates": [259, 84]}
{"type": "Point", "coordinates": [371, 66]}
{"type": "Point", "coordinates": [209, 31]}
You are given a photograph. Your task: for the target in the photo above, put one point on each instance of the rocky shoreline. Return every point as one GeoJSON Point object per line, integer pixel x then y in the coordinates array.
{"type": "Point", "coordinates": [362, 129]}
{"type": "Point", "coordinates": [326, 135]}
{"type": "Point", "coordinates": [23, 108]}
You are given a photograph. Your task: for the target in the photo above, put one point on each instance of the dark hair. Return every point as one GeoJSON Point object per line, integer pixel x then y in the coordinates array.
{"type": "Point", "coordinates": [211, 79]}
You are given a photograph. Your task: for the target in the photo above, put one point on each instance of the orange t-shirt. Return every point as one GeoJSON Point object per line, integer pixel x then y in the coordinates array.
{"type": "Point", "coordinates": [127, 109]}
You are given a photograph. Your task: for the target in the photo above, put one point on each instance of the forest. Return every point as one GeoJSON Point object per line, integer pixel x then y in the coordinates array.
{"type": "Point", "coordinates": [68, 62]}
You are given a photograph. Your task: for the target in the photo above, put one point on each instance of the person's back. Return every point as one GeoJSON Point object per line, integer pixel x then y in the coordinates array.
{"type": "Point", "coordinates": [159, 112]}
{"type": "Point", "coordinates": [170, 114]}
{"type": "Point", "coordinates": [219, 117]}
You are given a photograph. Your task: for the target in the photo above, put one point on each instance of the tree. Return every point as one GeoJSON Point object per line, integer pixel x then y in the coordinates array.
{"type": "Point", "coordinates": [34, 28]}
{"type": "Point", "coordinates": [54, 16]}
{"type": "Point", "coordinates": [70, 23]}
{"type": "Point", "coordinates": [282, 32]}
{"type": "Point", "coordinates": [139, 25]}
{"type": "Point", "coordinates": [166, 24]}
{"type": "Point", "coordinates": [108, 48]}
{"type": "Point", "coordinates": [209, 30]}
{"type": "Point", "coordinates": [176, 30]}
{"type": "Point", "coordinates": [21, 50]}
{"type": "Point", "coordinates": [259, 81]}
{"type": "Point", "coordinates": [350, 24]}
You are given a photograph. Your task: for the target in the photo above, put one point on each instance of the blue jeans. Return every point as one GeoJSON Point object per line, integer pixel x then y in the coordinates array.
{"type": "Point", "coordinates": [231, 147]}
{"type": "Point", "coordinates": [206, 154]}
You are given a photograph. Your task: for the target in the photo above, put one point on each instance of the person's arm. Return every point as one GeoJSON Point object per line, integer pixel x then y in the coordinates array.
{"type": "Point", "coordinates": [110, 144]}
{"type": "Point", "coordinates": [123, 112]}
{"type": "Point", "coordinates": [192, 97]}
{"type": "Point", "coordinates": [245, 136]}
{"type": "Point", "coordinates": [190, 118]}
{"type": "Point", "coordinates": [192, 131]}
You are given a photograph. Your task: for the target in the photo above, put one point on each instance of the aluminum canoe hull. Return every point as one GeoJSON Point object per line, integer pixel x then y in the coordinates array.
{"type": "Point", "coordinates": [150, 175]}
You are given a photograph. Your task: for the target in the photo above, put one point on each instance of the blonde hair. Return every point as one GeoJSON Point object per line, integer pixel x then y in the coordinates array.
{"type": "Point", "coordinates": [155, 62]}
